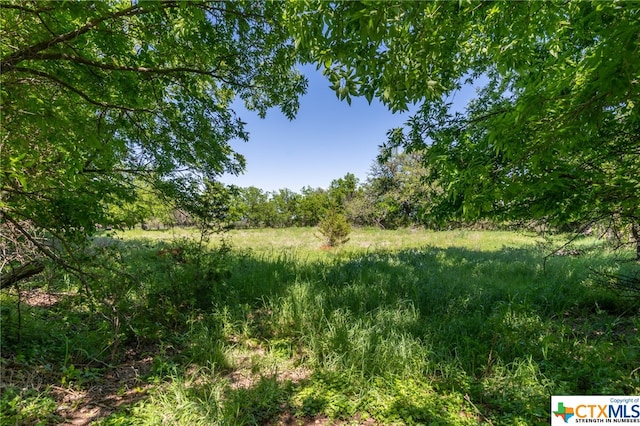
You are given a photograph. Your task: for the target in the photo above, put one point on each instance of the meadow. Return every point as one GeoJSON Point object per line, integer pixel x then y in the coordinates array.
{"type": "Point", "coordinates": [458, 327]}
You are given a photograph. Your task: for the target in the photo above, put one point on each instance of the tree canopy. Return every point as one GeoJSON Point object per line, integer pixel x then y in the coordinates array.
{"type": "Point", "coordinates": [96, 94]}
{"type": "Point", "coordinates": [554, 131]}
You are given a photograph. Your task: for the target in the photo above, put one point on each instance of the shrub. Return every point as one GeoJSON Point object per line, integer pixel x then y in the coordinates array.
{"type": "Point", "coordinates": [334, 228]}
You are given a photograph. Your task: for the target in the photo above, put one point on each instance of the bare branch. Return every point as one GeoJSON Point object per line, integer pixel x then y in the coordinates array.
{"type": "Point", "coordinates": [48, 252]}
{"type": "Point", "coordinates": [24, 271]}
{"type": "Point", "coordinates": [41, 247]}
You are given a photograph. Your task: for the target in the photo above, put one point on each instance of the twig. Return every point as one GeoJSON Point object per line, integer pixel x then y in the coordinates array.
{"type": "Point", "coordinates": [620, 282]}
{"type": "Point", "coordinates": [485, 418]}
{"type": "Point", "coordinates": [490, 359]}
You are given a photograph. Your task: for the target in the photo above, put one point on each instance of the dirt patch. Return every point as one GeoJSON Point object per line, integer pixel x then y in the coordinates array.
{"type": "Point", "coordinates": [82, 401]}
{"type": "Point", "coordinates": [87, 397]}
{"type": "Point", "coordinates": [120, 386]}
{"type": "Point", "coordinates": [39, 298]}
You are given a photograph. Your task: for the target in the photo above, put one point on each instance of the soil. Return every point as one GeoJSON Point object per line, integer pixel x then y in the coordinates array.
{"type": "Point", "coordinates": [81, 405]}
{"type": "Point", "coordinates": [120, 386]}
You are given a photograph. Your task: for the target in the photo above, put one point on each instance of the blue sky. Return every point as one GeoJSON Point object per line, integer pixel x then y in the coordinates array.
{"type": "Point", "coordinates": [327, 140]}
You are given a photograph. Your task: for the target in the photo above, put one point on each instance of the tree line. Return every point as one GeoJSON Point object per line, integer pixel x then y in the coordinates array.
{"type": "Point", "coordinates": [395, 194]}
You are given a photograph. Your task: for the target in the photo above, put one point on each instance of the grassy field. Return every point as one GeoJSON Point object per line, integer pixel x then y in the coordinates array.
{"type": "Point", "coordinates": [396, 327]}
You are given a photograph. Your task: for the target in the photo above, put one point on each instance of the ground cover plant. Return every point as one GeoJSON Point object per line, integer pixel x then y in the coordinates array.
{"type": "Point", "coordinates": [395, 327]}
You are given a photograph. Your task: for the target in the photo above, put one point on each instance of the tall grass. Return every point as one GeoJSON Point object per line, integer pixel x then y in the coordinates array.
{"type": "Point", "coordinates": [402, 327]}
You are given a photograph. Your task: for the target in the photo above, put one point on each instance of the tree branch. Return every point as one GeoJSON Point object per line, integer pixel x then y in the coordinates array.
{"type": "Point", "coordinates": [130, 171]}
{"type": "Point", "coordinates": [43, 249]}
{"type": "Point", "coordinates": [24, 271]}
{"type": "Point", "coordinates": [9, 62]}
{"type": "Point", "coordinates": [24, 9]}
{"type": "Point", "coordinates": [79, 273]}
{"type": "Point", "coordinates": [83, 95]}
{"type": "Point", "coordinates": [113, 67]}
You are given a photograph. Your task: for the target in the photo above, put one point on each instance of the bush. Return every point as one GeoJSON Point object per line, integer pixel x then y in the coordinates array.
{"type": "Point", "coordinates": [334, 228]}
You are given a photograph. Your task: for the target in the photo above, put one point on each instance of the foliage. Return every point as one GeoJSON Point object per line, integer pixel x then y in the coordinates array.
{"type": "Point", "coordinates": [96, 97]}
{"type": "Point", "coordinates": [343, 190]}
{"type": "Point", "coordinates": [267, 209]}
{"type": "Point", "coordinates": [286, 205]}
{"type": "Point", "coordinates": [349, 196]}
{"type": "Point", "coordinates": [279, 209]}
{"type": "Point", "coordinates": [552, 134]}
{"type": "Point", "coordinates": [252, 203]}
{"type": "Point", "coordinates": [334, 228]}
{"type": "Point", "coordinates": [145, 290]}
{"type": "Point", "coordinates": [395, 195]}
{"type": "Point", "coordinates": [312, 206]}
{"type": "Point", "coordinates": [398, 191]}
{"type": "Point", "coordinates": [145, 207]}
{"type": "Point", "coordinates": [27, 407]}
{"type": "Point", "coordinates": [208, 202]}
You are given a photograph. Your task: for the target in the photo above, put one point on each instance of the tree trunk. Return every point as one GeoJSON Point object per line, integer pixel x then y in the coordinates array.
{"type": "Point", "coordinates": [635, 231]}
{"type": "Point", "coordinates": [22, 272]}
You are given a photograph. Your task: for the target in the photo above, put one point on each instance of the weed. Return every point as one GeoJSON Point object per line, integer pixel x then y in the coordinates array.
{"type": "Point", "coordinates": [27, 407]}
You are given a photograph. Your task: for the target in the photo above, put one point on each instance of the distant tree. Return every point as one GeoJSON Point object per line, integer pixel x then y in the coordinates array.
{"type": "Point", "coordinates": [94, 94]}
{"type": "Point", "coordinates": [553, 135]}
{"type": "Point", "coordinates": [312, 206]}
{"type": "Point", "coordinates": [286, 207]}
{"type": "Point", "coordinates": [345, 195]}
{"type": "Point", "coordinates": [343, 189]}
{"type": "Point", "coordinates": [146, 205]}
{"type": "Point", "coordinates": [360, 209]}
{"type": "Point", "coordinates": [254, 207]}
{"type": "Point", "coordinates": [398, 190]}
{"type": "Point", "coordinates": [211, 205]}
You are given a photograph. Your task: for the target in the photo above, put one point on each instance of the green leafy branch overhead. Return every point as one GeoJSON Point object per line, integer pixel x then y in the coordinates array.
{"type": "Point", "coordinates": [554, 131]}
{"type": "Point", "coordinates": [95, 94]}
